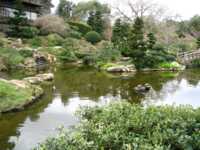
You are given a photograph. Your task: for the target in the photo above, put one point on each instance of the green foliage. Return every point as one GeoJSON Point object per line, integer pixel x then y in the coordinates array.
{"type": "Point", "coordinates": [36, 41]}
{"type": "Point", "coordinates": [126, 126]}
{"type": "Point", "coordinates": [75, 34]}
{"type": "Point", "coordinates": [11, 56]}
{"type": "Point", "coordinates": [108, 53]}
{"type": "Point", "coordinates": [198, 42]}
{"type": "Point", "coordinates": [26, 53]}
{"type": "Point", "coordinates": [93, 37]}
{"type": "Point", "coordinates": [90, 60]}
{"type": "Point", "coordinates": [82, 9]}
{"type": "Point", "coordinates": [120, 36]}
{"type": "Point", "coordinates": [81, 27]}
{"type": "Point", "coordinates": [19, 26]}
{"type": "Point", "coordinates": [195, 63]}
{"type": "Point", "coordinates": [28, 32]}
{"type": "Point", "coordinates": [54, 40]}
{"type": "Point", "coordinates": [169, 65]}
{"type": "Point", "coordinates": [68, 53]}
{"type": "Point", "coordinates": [137, 43]}
{"type": "Point", "coordinates": [95, 20]}
{"type": "Point", "coordinates": [65, 9]}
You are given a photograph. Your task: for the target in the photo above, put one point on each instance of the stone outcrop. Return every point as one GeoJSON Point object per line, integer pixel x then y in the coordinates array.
{"type": "Point", "coordinates": [39, 78]}
{"type": "Point", "coordinates": [121, 68]}
{"type": "Point", "coordinates": [34, 91]}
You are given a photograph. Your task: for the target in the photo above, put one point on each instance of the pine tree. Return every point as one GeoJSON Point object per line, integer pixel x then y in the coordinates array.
{"type": "Point", "coordinates": [116, 32]}
{"type": "Point", "coordinates": [137, 44]}
{"type": "Point", "coordinates": [95, 20]}
{"type": "Point", "coordinates": [18, 21]}
{"type": "Point", "coordinates": [151, 41]}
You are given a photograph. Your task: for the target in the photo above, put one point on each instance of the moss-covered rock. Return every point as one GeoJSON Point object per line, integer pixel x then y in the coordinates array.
{"type": "Point", "coordinates": [16, 94]}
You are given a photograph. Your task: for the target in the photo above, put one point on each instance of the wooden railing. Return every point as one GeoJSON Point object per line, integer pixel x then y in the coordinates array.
{"type": "Point", "coordinates": [188, 57]}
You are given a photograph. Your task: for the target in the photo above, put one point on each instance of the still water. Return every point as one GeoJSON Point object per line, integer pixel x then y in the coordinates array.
{"type": "Point", "coordinates": [75, 87]}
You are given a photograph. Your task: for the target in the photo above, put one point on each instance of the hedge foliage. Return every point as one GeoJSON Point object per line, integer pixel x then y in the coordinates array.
{"type": "Point", "coordinates": [124, 126]}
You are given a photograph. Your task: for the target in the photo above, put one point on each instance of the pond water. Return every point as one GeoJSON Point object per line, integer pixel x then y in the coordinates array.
{"type": "Point", "coordinates": [75, 87]}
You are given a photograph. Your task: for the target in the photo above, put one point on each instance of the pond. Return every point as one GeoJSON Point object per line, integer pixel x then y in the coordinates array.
{"type": "Point", "coordinates": [75, 87]}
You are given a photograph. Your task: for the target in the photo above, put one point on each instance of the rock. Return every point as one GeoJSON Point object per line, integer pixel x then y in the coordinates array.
{"type": "Point", "coordinates": [143, 88]}
{"type": "Point", "coordinates": [121, 68]}
{"type": "Point", "coordinates": [43, 58]}
{"type": "Point", "coordinates": [33, 93]}
{"type": "Point", "coordinates": [30, 63]}
{"type": "Point", "coordinates": [125, 58]}
{"type": "Point", "coordinates": [40, 78]}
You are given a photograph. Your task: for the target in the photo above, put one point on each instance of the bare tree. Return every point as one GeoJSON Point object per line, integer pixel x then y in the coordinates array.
{"type": "Point", "coordinates": [139, 8]}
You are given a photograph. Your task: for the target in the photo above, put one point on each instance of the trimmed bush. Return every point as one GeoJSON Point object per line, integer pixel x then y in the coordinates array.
{"type": "Point", "coordinates": [124, 126]}
{"type": "Point", "coordinates": [80, 27]}
{"type": "Point", "coordinates": [93, 37]}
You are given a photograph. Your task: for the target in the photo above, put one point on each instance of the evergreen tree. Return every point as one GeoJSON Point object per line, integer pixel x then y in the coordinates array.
{"type": "Point", "coordinates": [151, 41]}
{"type": "Point", "coordinates": [137, 44]}
{"type": "Point", "coordinates": [117, 32]}
{"type": "Point", "coordinates": [120, 36]}
{"type": "Point", "coordinates": [95, 20]}
{"type": "Point", "coordinates": [65, 9]}
{"type": "Point", "coordinates": [18, 21]}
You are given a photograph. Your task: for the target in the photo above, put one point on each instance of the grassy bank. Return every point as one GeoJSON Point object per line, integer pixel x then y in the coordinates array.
{"type": "Point", "coordinates": [13, 97]}
{"type": "Point", "coordinates": [129, 127]}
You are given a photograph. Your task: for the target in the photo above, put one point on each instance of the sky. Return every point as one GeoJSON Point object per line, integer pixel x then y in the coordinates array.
{"type": "Point", "coordinates": [184, 8]}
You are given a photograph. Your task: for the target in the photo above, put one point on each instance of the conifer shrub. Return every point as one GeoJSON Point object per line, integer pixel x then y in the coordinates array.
{"type": "Point", "coordinates": [93, 37]}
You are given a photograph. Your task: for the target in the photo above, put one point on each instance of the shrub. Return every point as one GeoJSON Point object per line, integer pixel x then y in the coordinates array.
{"type": "Point", "coordinates": [51, 24]}
{"type": "Point", "coordinates": [75, 34]}
{"type": "Point", "coordinates": [195, 63]}
{"type": "Point", "coordinates": [93, 37]}
{"type": "Point", "coordinates": [169, 65]}
{"type": "Point", "coordinates": [36, 41]}
{"type": "Point", "coordinates": [54, 40]}
{"type": "Point", "coordinates": [80, 27]}
{"type": "Point", "coordinates": [90, 60]}
{"type": "Point", "coordinates": [11, 56]}
{"type": "Point", "coordinates": [29, 32]}
{"type": "Point", "coordinates": [108, 53]}
{"type": "Point", "coordinates": [68, 53]}
{"type": "Point", "coordinates": [124, 126]}
{"type": "Point", "coordinates": [26, 53]}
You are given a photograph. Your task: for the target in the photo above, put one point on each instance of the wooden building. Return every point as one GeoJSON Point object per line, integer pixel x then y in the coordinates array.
{"type": "Point", "coordinates": [32, 8]}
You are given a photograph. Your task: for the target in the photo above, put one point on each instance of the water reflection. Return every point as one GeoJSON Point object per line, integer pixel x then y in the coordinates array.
{"type": "Point", "coordinates": [77, 87]}
{"type": "Point", "coordinates": [175, 93]}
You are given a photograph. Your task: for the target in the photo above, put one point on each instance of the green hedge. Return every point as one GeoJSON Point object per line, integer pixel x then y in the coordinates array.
{"type": "Point", "coordinates": [93, 37]}
{"type": "Point", "coordinates": [123, 126]}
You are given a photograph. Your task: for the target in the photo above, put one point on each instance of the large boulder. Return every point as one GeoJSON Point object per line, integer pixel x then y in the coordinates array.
{"type": "Point", "coordinates": [16, 94]}
{"type": "Point", "coordinates": [43, 58]}
{"type": "Point", "coordinates": [30, 63]}
{"type": "Point", "coordinates": [40, 78]}
{"type": "Point", "coordinates": [121, 68]}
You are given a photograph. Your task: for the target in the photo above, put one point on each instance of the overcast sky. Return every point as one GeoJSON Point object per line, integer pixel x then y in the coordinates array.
{"type": "Point", "coordinates": [185, 8]}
